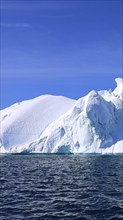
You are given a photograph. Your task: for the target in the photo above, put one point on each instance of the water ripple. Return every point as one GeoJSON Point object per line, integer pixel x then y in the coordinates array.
{"type": "Point", "coordinates": [61, 187]}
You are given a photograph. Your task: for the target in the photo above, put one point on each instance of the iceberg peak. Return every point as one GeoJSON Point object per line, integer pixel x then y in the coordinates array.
{"type": "Point", "coordinates": [119, 89]}
{"type": "Point", "coordinates": [119, 81]}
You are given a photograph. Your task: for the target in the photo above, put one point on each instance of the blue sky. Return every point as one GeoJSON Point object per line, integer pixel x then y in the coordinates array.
{"type": "Point", "coordinates": [59, 47]}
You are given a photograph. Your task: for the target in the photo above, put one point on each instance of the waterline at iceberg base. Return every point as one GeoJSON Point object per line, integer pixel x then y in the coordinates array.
{"type": "Point", "coordinates": [56, 124]}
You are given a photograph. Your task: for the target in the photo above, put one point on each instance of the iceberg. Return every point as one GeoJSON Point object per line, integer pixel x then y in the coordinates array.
{"type": "Point", "coordinates": [56, 124]}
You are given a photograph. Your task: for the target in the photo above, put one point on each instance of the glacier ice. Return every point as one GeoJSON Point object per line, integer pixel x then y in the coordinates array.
{"type": "Point", "coordinates": [56, 124]}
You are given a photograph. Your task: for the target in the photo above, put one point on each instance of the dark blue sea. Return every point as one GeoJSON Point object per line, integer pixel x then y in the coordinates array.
{"type": "Point", "coordinates": [39, 187]}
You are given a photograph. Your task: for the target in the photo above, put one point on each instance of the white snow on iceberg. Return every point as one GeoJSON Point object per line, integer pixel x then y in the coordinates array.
{"type": "Point", "coordinates": [53, 124]}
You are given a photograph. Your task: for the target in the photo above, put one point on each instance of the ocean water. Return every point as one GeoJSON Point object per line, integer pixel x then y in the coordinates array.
{"type": "Point", "coordinates": [85, 187]}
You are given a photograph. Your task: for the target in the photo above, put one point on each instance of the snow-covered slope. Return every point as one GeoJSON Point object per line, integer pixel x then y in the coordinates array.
{"type": "Point", "coordinates": [49, 124]}
{"type": "Point", "coordinates": [24, 122]}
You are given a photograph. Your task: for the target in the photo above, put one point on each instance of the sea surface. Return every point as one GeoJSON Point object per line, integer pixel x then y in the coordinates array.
{"type": "Point", "coordinates": [85, 187]}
